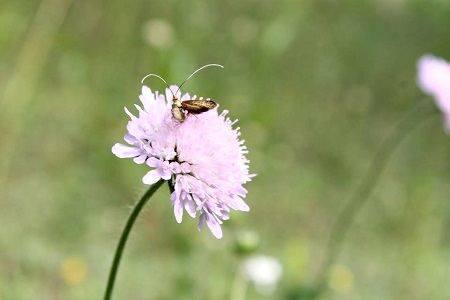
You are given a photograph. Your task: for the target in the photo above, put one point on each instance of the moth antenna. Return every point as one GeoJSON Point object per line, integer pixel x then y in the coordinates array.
{"type": "Point", "coordinates": [142, 81]}
{"type": "Point", "coordinates": [205, 66]}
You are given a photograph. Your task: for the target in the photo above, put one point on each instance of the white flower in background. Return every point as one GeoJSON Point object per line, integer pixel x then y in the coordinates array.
{"type": "Point", "coordinates": [264, 271]}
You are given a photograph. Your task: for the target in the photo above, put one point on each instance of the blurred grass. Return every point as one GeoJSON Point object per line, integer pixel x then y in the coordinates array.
{"type": "Point", "coordinates": [316, 86]}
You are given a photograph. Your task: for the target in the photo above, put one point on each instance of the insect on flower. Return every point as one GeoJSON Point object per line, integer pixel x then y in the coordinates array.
{"type": "Point", "coordinates": [203, 160]}
{"type": "Point", "coordinates": [180, 108]}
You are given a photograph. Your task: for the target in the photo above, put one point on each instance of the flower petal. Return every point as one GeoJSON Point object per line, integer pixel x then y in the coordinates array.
{"type": "Point", "coordinates": [123, 151]}
{"type": "Point", "coordinates": [177, 207]}
{"type": "Point", "coordinates": [237, 203]}
{"type": "Point", "coordinates": [213, 225]}
{"type": "Point", "coordinates": [190, 208]}
{"type": "Point", "coordinates": [151, 177]}
{"type": "Point", "coordinates": [140, 159]}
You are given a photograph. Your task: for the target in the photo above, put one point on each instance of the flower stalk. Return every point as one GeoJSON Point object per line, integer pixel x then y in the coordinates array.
{"type": "Point", "coordinates": [125, 233]}
{"type": "Point", "coordinates": [413, 118]}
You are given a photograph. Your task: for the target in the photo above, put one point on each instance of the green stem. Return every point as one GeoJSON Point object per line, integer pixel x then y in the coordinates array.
{"type": "Point", "coordinates": [123, 238]}
{"type": "Point", "coordinates": [413, 118]}
{"type": "Point", "coordinates": [171, 184]}
{"type": "Point", "coordinates": [240, 284]}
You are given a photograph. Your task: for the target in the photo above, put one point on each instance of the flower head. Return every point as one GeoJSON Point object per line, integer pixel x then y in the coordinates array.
{"type": "Point", "coordinates": [434, 79]}
{"type": "Point", "coordinates": [202, 157]}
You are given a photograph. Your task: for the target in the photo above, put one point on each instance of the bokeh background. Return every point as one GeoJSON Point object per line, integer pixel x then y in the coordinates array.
{"type": "Point", "coordinates": [317, 85]}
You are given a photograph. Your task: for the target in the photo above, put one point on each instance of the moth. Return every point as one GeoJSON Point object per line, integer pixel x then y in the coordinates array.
{"type": "Point", "coordinates": [181, 108]}
{"type": "Point", "coordinates": [190, 106]}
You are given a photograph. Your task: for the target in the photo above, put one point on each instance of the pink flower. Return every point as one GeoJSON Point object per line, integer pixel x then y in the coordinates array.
{"type": "Point", "coordinates": [202, 156]}
{"type": "Point", "coordinates": [434, 79]}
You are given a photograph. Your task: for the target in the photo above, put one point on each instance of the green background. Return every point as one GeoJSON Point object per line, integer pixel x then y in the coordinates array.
{"type": "Point", "coordinates": [316, 85]}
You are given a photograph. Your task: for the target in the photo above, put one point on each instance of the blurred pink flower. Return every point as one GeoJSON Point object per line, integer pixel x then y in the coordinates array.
{"type": "Point", "coordinates": [434, 79]}
{"type": "Point", "coordinates": [202, 155]}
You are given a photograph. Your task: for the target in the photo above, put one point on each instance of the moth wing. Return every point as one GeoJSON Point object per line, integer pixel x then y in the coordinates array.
{"type": "Point", "coordinates": [198, 106]}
